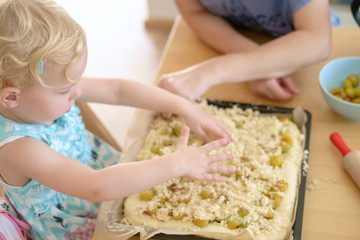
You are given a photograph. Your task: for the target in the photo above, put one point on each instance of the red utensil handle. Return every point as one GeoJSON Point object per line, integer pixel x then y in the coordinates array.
{"type": "Point", "coordinates": [337, 140]}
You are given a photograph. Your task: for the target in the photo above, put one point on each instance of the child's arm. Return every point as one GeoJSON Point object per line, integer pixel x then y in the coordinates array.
{"type": "Point", "coordinates": [308, 44]}
{"type": "Point", "coordinates": [135, 94]}
{"type": "Point", "coordinates": [76, 179]}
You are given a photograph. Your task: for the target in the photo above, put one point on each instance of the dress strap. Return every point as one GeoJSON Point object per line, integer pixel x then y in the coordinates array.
{"type": "Point", "coordinates": [9, 140]}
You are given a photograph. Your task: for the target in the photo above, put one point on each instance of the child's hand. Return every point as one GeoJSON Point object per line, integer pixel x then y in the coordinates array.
{"type": "Point", "coordinates": [206, 125]}
{"type": "Point", "coordinates": [280, 89]}
{"type": "Point", "coordinates": [195, 163]}
{"type": "Point", "coordinates": [203, 124]}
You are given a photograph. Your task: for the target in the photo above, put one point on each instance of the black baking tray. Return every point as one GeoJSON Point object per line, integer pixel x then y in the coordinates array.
{"type": "Point", "coordinates": [297, 227]}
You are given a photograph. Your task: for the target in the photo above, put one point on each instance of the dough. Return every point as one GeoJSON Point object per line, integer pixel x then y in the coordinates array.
{"type": "Point", "coordinates": [259, 197]}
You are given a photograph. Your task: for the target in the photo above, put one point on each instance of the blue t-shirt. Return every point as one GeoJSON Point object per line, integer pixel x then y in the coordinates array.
{"type": "Point", "coordinates": [51, 214]}
{"type": "Point", "coordinates": [274, 17]}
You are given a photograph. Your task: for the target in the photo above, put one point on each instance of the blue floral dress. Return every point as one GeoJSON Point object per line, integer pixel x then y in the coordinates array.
{"type": "Point", "coordinates": [53, 215]}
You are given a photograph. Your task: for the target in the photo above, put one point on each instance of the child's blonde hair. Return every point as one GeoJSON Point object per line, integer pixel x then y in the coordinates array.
{"type": "Point", "coordinates": [33, 32]}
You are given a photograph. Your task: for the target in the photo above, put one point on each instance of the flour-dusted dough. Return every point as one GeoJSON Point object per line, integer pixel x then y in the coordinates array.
{"type": "Point", "coordinates": [259, 197]}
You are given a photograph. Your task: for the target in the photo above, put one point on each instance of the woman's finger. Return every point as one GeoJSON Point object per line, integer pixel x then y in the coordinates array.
{"type": "Point", "coordinates": [277, 92]}
{"type": "Point", "coordinates": [164, 80]}
{"type": "Point", "coordinates": [289, 84]}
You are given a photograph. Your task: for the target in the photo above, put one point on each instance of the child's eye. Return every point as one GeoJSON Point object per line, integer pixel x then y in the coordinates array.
{"type": "Point", "coordinates": [65, 91]}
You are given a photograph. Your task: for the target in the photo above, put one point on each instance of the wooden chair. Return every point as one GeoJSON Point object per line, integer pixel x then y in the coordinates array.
{"type": "Point", "coordinates": [94, 125]}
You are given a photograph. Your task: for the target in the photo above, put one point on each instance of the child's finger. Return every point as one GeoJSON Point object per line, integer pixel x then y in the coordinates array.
{"type": "Point", "coordinates": [214, 144]}
{"type": "Point", "coordinates": [214, 178]}
{"type": "Point", "coordinates": [220, 157]}
{"type": "Point", "coordinates": [222, 131]}
{"type": "Point", "coordinates": [226, 132]}
{"type": "Point", "coordinates": [201, 133]}
{"type": "Point", "coordinates": [184, 137]}
{"type": "Point", "coordinates": [166, 115]}
{"type": "Point", "coordinates": [221, 169]}
{"type": "Point", "coordinates": [218, 169]}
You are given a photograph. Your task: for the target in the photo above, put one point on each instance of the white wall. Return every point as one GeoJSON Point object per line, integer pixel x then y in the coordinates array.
{"type": "Point", "coordinates": [161, 10]}
{"type": "Point", "coordinates": [119, 46]}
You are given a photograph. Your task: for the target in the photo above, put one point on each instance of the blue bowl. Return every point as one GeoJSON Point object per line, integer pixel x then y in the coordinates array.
{"type": "Point", "coordinates": [333, 75]}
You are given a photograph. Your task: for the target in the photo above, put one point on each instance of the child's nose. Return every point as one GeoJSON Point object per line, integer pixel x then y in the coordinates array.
{"type": "Point", "coordinates": [75, 94]}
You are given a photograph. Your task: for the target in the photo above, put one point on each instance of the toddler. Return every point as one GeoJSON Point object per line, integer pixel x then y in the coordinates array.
{"type": "Point", "coordinates": [55, 172]}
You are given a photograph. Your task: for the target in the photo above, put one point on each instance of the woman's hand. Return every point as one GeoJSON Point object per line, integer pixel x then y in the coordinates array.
{"type": "Point", "coordinates": [189, 83]}
{"type": "Point", "coordinates": [276, 89]}
{"type": "Point", "coordinates": [195, 163]}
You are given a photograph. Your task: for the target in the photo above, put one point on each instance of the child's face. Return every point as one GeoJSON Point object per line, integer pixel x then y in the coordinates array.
{"type": "Point", "coordinates": [42, 105]}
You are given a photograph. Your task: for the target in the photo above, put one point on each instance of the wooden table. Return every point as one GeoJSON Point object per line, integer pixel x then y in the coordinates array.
{"type": "Point", "coordinates": [332, 209]}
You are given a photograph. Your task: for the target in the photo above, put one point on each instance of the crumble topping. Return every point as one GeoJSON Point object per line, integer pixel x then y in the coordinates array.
{"type": "Point", "coordinates": [258, 197]}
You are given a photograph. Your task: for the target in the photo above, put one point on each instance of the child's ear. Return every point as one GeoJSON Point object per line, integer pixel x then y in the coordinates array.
{"type": "Point", "coordinates": [9, 97]}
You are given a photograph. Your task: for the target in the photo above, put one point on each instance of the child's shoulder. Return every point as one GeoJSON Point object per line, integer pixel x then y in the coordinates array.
{"type": "Point", "coordinates": [13, 162]}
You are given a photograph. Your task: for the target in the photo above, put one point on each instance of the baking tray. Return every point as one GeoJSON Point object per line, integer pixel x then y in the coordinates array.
{"type": "Point", "coordinates": [279, 111]}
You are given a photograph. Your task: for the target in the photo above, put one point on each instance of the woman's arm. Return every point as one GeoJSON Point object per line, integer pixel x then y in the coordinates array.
{"type": "Point", "coordinates": [213, 30]}
{"type": "Point", "coordinates": [309, 43]}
